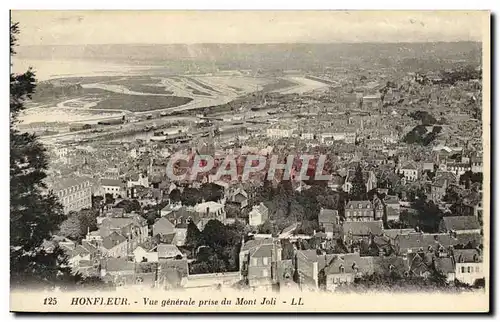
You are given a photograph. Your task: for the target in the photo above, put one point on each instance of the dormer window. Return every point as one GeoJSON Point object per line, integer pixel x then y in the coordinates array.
{"type": "Point", "coordinates": [341, 269]}
{"type": "Point", "coordinates": [391, 268]}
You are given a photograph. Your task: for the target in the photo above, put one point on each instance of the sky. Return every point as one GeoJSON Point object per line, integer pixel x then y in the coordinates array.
{"type": "Point", "coordinates": [187, 27]}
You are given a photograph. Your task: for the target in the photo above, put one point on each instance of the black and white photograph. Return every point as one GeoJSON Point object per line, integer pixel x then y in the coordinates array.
{"type": "Point", "coordinates": [249, 161]}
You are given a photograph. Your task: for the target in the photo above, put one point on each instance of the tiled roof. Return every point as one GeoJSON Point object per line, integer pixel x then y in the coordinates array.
{"type": "Point", "coordinates": [111, 182]}
{"type": "Point", "coordinates": [467, 255]}
{"type": "Point", "coordinates": [251, 244]}
{"type": "Point", "coordinates": [444, 265]}
{"type": "Point", "coordinates": [112, 240]}
{"type": "Point", "coordinates": [461, 223]}
{"type": "Point", "coordinates": [358, 228]}
{"type": "Point", "coordinates": [393, 233]}
{"type": "Point", "coordinates": [163, 226]}
{"type": "Point", "coordinates": [168, 251]}
{"type": "Point", "coordinates": [420, 240]}
{"type": "Point", "coordinates": [68, 183]}
{"type": "Point", "coordinates": [351, 263]}
{"type": "Point", "coordinates": [117, 264]}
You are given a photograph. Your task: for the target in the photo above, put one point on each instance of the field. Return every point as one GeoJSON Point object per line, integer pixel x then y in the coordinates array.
{"type": "Point", "coordinates": [139, 103]}
{"type": "Point", "coordinates": [81, 98]}
{"type": "Point", "coordinates": [279, 84]}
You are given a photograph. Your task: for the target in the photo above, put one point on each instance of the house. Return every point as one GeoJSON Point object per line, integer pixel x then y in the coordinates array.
{"type": "Point", "coordinates": [393, 233]}
{"type": "Point", "coordinates": [262, 263]}
{"type": "Point", "coordinates": [114, 268]}
{"type": "Point", "coordinates": [371, 101]}
{"type": "Point", "coordinates": [135, 228]}
{"type": "Point", "coordinates": [419, 264]}
{"type": "Point", "coordinates": [476, 164]}
{"type": "Point", "coordinates": [168, 251]}
{"type": "Point", "coordinates": [279, 132]}
{"type": "Point", "coordinates": [240, 197]}
{"type": "Point", "coordinates": [336, 181]}
{"type": "Point", "coordinates": [418, 242]}
{"type": "Point", "coordinates": [428, 166]}
{"type": "Point", "coordinates": [460, 224]}
{"type": "Point", "coordinates": [114, 245]}
{"type": "Point", "coordinates": [73, 193]}
{"type": "Point", "coordinates": [438, 189]}
{"type": "Point", "coordinates": [409, 171]}
{"type": "Point", "coordinates": [368, 177]}
{"type": "Point", "coordinates": [181, 219]}
{"type": "Point", "coordinates": [328, 219]}
{"type": "Point", "coordinates": [445, 266]}
{"type": "Point", "coordinates": [138, 180]}
{"type": "Point", "coordinates": [468, 265]}
{"type": "Point", "coordinates": [210, 210]}
{"type": "Point", "coordinates": [141, 255]}
{"type": "Point", "coordinates": [258, 261]}
{"type": "Point", "coordinates": [363, 211]}
{"type": "Point", "coordinates": [424, 264]}
{"type": "Point", "coordinates": [355, 230]}
{"type": "Point", "coordinates": [163, 228]}
{"type": "Point", "coordinates": [76, 255]}
{"type": "Point", "coordinates": [173, 273]}
{"type": "Point", "coordinates": [344, 268]}
{"type": "Point", "coordinates": [392, 207]}
{"type": "Point", "coordinates": [170, 207]}
{"type": "Point", "coordinates": [258, 215]}
{"type": "Point", "coordinates": [309, 263]}
{"type": "Point", "coordinates": [458, 168]}
{"type": "Point", "coordinates": [114, 187]}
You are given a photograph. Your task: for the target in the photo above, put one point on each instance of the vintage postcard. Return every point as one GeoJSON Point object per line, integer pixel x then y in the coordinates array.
{"type": "Point", "coordinates": [250, 161]}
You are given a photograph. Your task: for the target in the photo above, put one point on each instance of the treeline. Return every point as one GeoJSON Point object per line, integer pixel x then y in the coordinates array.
{"type": "Point", "coordinates": [216, 248]}
{"type": "Point", "coordinates": [419, 135]}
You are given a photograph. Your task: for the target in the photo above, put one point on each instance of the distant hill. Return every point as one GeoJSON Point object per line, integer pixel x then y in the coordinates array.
{"type": "Point", "coordinates": [269, 56]}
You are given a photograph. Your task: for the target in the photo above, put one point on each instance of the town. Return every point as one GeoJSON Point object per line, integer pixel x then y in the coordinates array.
{"type": "Point", "coordinates": [402, 207]}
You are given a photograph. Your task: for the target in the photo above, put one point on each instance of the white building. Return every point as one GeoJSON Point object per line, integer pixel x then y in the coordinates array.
{"type": "Point", "coordinates": [113, 187]}
{"type": "Point", "coordinates": [258, 215]}
{"type": "Point", "coordinates": [74, 193]}
{"type": "Point", "coordinates": [468, 265]}
{"type": "Point", "coordinates": [410, 171]}
{"type": "Point", "coordinates": [279, 133]}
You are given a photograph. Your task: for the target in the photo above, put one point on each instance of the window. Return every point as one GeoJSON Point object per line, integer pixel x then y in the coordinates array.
{"type": "Point", "coordinates": [341, 269]}
{"type": "Point", "coordinates": [265, 273]}
{"type": "Point", "coordinates": [254, 261]}
{"type": "Point", "coordinates": [469, 269]}
{"type": "Point", "coordinates": [463, 269]}
{"type": "Point", "coordinates": [477, 269]}
{"type": "Point", "coordinates": [265, 260]}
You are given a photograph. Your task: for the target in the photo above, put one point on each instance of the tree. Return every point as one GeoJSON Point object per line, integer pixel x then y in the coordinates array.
{"type": "Point", "coordinates": [35, 213]}
{"type": "Point", "coordinates": [265, 228]}
{"type": "Point", "coordinates": [215, 234]}
{"type": "Point", "coordinates": [70, 228]}
{"type": "Point", "coordinates": [88, 221]}
{"type": "Point", "coordinates": [129, 205]}
{"type": "Point", "coordinates": [194, 238]}
{"type": "Point", "coordinates": [358, 190]}
{"type": "Point", "coordinates": [175, 195]}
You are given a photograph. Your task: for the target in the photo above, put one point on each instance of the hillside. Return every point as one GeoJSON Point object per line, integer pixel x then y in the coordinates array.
{"type": "Point", "coordinates": [268, 56]}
